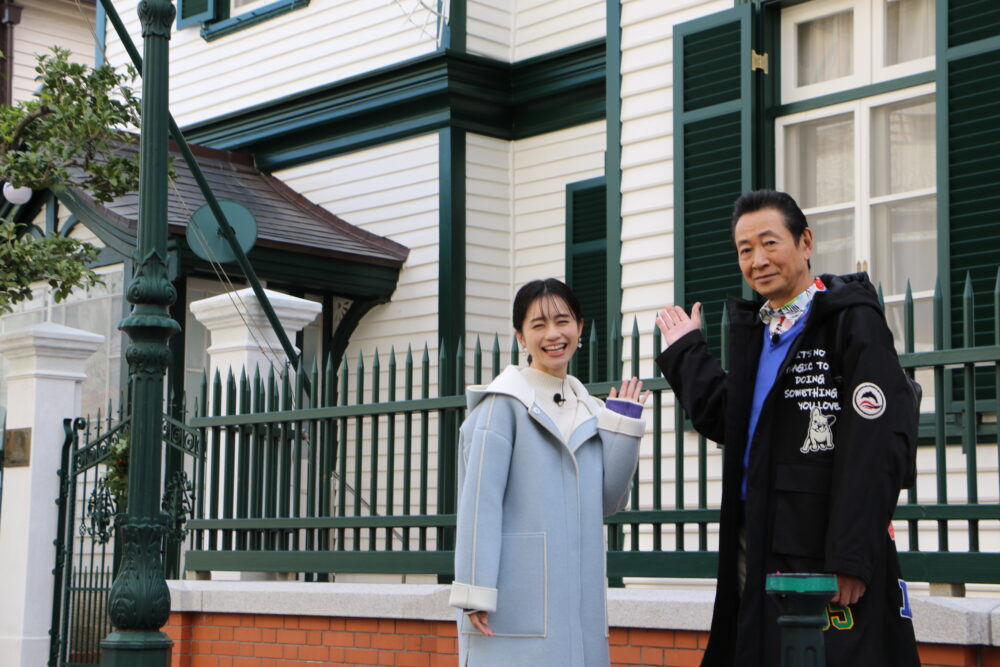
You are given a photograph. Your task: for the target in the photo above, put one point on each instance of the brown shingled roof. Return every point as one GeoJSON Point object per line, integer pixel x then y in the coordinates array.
{"type": "Point", "coordinates": [285, 219]}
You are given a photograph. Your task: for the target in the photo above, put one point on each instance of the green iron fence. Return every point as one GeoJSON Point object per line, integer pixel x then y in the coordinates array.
{"type": "Point", "coordinates": [360, 478]}
{"type": "Point", "coordinates": [93, 476]}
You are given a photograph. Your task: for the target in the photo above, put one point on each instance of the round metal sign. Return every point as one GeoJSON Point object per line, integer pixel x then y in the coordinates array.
{"type": "Point", "coordinates": [206, 240]}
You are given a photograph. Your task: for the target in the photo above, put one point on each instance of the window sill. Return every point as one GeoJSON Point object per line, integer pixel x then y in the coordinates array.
{"type": "Point", "coordinates": [245, 20]}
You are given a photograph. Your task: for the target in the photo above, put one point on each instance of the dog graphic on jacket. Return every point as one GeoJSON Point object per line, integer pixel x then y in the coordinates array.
{"type": "Point", "coordinates": [819, 437]}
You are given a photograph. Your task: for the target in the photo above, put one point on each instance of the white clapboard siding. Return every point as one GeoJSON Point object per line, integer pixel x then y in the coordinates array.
{"type": "Point", "coordinates": [489, 239]}
{"type": "Point", "coordinates": [647, 229]}
{"type": "Point", "coordinates": [44, 24]}
{"type": "Point", "coordinates": [541, 26]}
{"type": "Point", "coordinates": [390, 190]}
{"type": "Point", "coordinates": [489, 28]}
{"type": "Point", "coordinates": [309, 47]}
{"type": "Point", "coordinates": [543, 166]}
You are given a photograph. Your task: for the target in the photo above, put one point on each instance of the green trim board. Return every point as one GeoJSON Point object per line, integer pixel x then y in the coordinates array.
{"type": "Point", "coordinates": [613, 172]}
{"type": "Point", "coordinates": [419, 96]}
{"type": "Point", "coordinates": [451, 237]}
{"type": "Point", "coordinates": [588, 252]}
{"type": "Point", "coordinates": [456, 30]}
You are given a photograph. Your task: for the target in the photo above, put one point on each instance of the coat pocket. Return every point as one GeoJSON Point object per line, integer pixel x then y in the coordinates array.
{"type": "Point", "coordinates": [521, 586]}
{"type": "Point", "coordinates": [801, 508]}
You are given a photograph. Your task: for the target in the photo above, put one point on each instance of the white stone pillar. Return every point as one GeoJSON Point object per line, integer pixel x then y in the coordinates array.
{"type": "Point", "coordinates": [241, 336]}
{"type": "Point", "coordinates": [44, 377]}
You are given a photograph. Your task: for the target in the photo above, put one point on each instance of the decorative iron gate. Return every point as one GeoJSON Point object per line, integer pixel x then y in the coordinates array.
{"type": "Point", "coordinates": [93, 488]}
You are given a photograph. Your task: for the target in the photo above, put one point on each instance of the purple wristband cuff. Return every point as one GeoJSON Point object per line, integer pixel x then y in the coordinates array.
{"type": "Point", "coordinates": [626, 408]}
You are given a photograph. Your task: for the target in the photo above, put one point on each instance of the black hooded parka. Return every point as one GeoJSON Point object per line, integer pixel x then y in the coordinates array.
{"type": "Point", "coordinates": [826, 465]}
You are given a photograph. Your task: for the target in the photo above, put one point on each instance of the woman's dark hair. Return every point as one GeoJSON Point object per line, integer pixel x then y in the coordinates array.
{"type": "Point", "coordinates": [756, 200]}
{"type": "Point", "coordinates": [541, 288]}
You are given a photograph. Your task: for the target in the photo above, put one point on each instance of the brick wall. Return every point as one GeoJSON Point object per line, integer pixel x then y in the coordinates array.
{"type": "Point", "coordinates": [266, 640]}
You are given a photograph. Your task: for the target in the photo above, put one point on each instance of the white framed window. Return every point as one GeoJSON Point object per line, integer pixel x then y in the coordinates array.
{"type": "Point", "coordinates": [864, 173]}
{"type": "Point", "coordinates": [833, 45]}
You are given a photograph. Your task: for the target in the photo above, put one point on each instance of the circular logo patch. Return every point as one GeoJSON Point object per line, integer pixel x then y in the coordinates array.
{"type": "Point", "coordinates": [869, 401]}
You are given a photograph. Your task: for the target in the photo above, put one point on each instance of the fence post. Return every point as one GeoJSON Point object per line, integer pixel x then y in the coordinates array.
{"type": "Point", "coordinates": [47, 364]}
{"type": "Point", "coordinates": [802, 600]}
{"type": "Point", "coordinates": [242, 341]}
{"type": "Point", "coordinates": [241, 336]}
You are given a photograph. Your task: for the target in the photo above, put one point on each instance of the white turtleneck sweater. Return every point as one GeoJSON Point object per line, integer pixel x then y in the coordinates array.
{"type": "Point", "coordinates": [567, 416]}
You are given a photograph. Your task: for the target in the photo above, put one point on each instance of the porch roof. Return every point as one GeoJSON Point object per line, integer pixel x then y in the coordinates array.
{"type": "Point", "coordinates": [286, 220]}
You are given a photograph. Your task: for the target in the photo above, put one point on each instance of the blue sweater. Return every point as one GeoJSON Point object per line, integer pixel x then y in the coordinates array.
{"type": "Point", "coordinates": [771, 356]}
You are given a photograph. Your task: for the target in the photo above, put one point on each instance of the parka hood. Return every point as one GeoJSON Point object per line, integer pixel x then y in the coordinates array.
{"type": "Point", "coordinates": [512, 383]}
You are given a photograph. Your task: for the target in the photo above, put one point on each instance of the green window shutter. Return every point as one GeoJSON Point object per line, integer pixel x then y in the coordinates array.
{"type": "Point", "coordinates": [968, 109]}
{"type": "Point", "coordinates": [191, 12]}
{"type": "Point", "coordinates": [713, 127]}
{"type": "Point", "coordinates": [586, 267]}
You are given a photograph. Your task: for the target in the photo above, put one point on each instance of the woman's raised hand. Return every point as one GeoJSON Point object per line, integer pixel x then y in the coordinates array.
{"type": "Point", "coordinates": [631, 391]}
{"type": "Point", "coordinates": [674, 323]}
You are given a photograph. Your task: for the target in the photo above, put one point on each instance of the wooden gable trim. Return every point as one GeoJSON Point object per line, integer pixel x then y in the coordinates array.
{"type": "Point", "coordinates": [422, 95]}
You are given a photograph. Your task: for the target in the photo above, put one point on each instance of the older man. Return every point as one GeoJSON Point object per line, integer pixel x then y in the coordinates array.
{"type": "Point", "coordinates": [816, 417]}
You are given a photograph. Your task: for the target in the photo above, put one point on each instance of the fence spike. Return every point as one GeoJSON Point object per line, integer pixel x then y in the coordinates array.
{"type": "Point", "coordinates": [657, 348]}
{"type": "Point", "coordinates": [392, 373]}
{"type": "Point", "coordinates": [614, 349]}
{"type": "Point", "coordinates": [272, 389]}
{"type": "Point", "coordinates": [329, 379]}
{"type": "Point", "coordinates": [496, 354]}
{"type": "Point", "coordinates": [477, 363]}
{"type": "Point", "coordinates": [635, 346]}
{"type": "Point", "coordinates": [244, 391]}
{"type": "Point", "coordinates": [425, 372]}
{"type": "Point", "coordinates": [881, 297]}
{"type": "Point", "coordinates": [376, 373]}
{"type": "Point", "coordinates": [408, 373]}
{"type": "Point", "coordinates": [515, 352]}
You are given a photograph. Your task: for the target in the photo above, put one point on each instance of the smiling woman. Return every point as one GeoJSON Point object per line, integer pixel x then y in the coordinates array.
{"type": "Point", "coordinates": [542, 462]}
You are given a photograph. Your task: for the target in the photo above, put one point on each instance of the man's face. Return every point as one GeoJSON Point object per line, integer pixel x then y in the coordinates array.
{"type": "Point", "coordinates": [772, 262]}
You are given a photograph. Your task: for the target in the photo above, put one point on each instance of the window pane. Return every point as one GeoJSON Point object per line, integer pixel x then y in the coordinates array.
{"type": "Point", "coordinates": [909, 30]}
{"type": "Point", "coordinates": [819, 161]}
{"type": "Point", "coordinates": [903, 141]}
{"type": "Point", "coordinates": [825, 48]}
{"type": "Point", "coordinates": [923, 330]}
{"type": "Point", "coordinates": [833, 242]}
{"type": "Point", "coordinates": [904, 245]}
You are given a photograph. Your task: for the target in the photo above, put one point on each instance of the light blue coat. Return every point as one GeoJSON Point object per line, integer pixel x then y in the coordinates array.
{"type": "Point", "coordinates": [530, 544]}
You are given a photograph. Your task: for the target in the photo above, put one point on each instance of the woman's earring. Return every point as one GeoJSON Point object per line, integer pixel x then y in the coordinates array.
{"type": "Point", "coordinates": [579, 343]}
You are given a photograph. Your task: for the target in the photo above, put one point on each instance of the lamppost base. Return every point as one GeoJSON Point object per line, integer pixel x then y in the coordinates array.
{"type": "Point", "coordinates": [136, 649]}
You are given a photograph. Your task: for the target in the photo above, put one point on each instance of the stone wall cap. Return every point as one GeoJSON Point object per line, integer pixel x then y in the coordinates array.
{"type": "Point", "coordinates": [49, 337]}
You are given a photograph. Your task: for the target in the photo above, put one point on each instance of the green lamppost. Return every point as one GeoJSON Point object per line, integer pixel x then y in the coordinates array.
{"type": "Point", "coordinates": [139, 603]}
{"type": "Point", "coordinates": [802, 600]}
